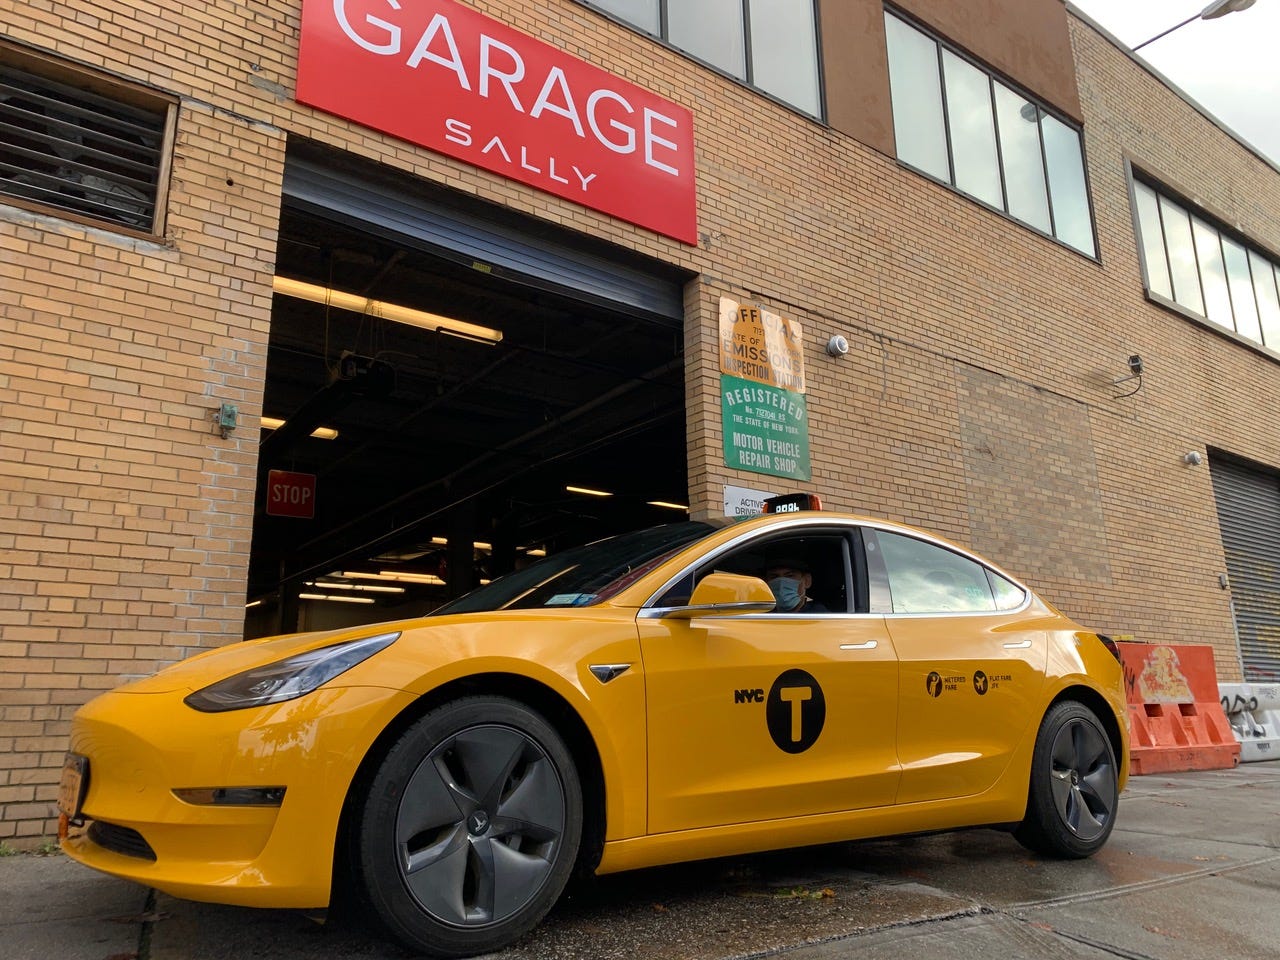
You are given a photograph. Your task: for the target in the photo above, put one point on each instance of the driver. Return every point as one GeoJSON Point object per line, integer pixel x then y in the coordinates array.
{"type": "Point", "coordinates": [790, 579]}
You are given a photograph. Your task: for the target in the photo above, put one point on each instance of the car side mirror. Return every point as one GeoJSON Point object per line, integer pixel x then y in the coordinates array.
{"type": "Point", "coordinates": [725, 595]}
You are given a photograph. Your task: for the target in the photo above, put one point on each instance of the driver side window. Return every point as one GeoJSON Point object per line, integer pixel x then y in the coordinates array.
{"type": "Point", "coordinates": [808, 573]}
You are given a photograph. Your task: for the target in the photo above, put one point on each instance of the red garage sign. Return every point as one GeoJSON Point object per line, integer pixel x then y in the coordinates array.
{"type": "Point", "coordinates": [440, 75]}
{"type": "Point", "coordinates": [291, 494]}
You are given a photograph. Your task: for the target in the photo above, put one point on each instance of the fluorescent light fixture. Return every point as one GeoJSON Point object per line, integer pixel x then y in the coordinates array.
{"type": "Point", "coordinates": [478, 544]}
{"type": "Point", "coordinates": [381, 308]}
{"type": "Point", "coordinates": [253, 603]}
{"type": "Point", "coordinates": [589, 492]}
{"type": "Point", "coordinates": [362, 587]}
{"type": "Point", "coordinates": [668, 505]}
{"type": "Point", "coordinates": [412, 577]}
{"type": "Point", "coordinates": [535, 552]}
{"type": "Point", "coordinates": [430, 578]}
{"type": "Point", "coordinates": [335, 599]}
{"type": "Point", "coordinates": [320, 433]}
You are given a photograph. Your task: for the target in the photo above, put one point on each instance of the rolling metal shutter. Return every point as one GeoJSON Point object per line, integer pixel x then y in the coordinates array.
{"type": "Point", "coordinates": [468, 233]}
{"type": "Point", "coordinates": [1249, 518]}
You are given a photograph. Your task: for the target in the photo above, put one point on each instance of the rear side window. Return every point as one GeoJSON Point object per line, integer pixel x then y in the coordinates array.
{"type": "Point", "coordinates": [927, 578]}
{"type": "Point", "coordinates": [1009, 596]}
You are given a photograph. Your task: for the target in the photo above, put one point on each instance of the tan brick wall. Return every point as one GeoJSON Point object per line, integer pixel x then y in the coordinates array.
{"type": "Point", "coordinates": [125, 521]}
{"type": "Point", "coordinates": [124, 517]}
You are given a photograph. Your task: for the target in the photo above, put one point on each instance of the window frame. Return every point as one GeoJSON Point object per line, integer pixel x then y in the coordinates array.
{"type": "Point", "coordinates": [820, 116]}
{"type": "Point", "coordinates": [1043, 109]}
{"type": "Point", "coordinates": [1136, 176]}
{"type": "Point", "coordinates": [55, 69]}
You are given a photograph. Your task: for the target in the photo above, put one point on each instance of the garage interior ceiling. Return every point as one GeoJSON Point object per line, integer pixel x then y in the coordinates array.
{"type": "Point", "coordinates": [444, 437]}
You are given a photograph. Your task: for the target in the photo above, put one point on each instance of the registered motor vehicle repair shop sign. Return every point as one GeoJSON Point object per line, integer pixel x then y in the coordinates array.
{"type": "Point", "coordinates": [763, 411]}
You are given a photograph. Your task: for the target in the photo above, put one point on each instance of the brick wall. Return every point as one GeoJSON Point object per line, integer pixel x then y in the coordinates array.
{"type": "Point", "coordinates": [125, 520]}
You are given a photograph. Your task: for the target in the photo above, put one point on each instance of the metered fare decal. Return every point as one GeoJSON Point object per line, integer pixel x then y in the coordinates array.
{"type": "Point", "coordinates": [442, 76]}
{"type": "Point", "coordinates": [937, 683]}
{"type": "Point", "coordinates": [795, 709]}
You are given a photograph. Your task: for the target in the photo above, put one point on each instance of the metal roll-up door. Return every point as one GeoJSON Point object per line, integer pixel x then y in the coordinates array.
{"type": "Point", "coordinates": [465, 231]}
{"type": "Point", "coordinates": [1248, 501]}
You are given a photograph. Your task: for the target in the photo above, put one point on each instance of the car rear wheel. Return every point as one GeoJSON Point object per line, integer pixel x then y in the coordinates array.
{"type": "Point", "coordinates": [470, 828]}
{"type": "Point", "coordinates": [1073, 795]}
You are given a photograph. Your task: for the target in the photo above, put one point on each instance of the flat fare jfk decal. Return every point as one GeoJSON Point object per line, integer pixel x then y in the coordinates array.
{"type": "Point", "coordinates": [440, 75]}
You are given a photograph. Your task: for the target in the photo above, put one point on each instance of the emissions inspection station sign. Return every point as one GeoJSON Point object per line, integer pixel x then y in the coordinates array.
{"type": "Point", "coordinates": [291, 494]}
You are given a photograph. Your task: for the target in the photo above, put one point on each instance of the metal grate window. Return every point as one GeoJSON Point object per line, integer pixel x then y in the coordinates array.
{"type": "Point", "coordinates": [80, 151]}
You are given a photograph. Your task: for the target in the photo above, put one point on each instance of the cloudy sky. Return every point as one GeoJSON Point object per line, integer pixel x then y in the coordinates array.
{"type": "Point", "coordinates": [1230, 66]}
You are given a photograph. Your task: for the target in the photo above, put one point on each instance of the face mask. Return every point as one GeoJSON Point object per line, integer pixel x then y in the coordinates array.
{"type": "Point", "coordinates": [787, 592]}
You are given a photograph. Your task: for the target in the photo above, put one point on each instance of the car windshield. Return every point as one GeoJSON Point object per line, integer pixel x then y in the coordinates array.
{"type": "Point", "coordinates": [582, 575]}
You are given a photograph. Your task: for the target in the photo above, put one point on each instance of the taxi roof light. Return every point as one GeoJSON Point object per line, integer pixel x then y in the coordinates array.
{"type": "Point", "coordinates": [792, 503]}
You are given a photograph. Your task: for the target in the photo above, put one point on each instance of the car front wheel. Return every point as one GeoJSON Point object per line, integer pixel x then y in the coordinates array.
{"type": "Point", "coordinates": [470, 828]}
{"type": "Point", "coordinates": [1073, 794]}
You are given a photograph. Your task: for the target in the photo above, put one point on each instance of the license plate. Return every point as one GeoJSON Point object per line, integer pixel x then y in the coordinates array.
{"type": "Point", "coordinates": [71, 789]}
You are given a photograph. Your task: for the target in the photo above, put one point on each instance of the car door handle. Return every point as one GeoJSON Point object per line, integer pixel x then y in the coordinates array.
{"type": "Point", "coordinates": [1018, 645]}
{"type": "Point", "coordinates": [869, 645]}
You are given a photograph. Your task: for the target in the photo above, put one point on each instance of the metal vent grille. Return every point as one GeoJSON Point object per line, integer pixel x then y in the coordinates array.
{"type": "Point", "coordinates": [79, 151]}
{"type": "Point", "coordinates": [123, 840]}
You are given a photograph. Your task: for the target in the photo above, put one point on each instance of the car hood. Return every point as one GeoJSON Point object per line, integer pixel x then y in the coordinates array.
{"type": "Point", "coordinates": [213, 665]}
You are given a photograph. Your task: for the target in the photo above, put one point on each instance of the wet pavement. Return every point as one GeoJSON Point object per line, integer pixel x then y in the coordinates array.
{"type": "Point", "coordinates": [1191, 871]}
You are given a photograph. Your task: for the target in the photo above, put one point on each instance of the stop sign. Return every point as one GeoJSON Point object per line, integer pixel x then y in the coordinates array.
{"type": "Point", "coordinates": [291, 494]}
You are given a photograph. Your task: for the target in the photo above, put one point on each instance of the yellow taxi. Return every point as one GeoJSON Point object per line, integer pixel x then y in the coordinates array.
{"type": "Point", "coordinates": [676, 693]}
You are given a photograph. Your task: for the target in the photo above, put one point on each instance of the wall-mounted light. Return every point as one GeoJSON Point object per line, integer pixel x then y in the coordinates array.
{"type": "Point", "coordinates": [837, 346]}
{"type": "Point", "coordinates": [380, 308]}
{"type": "Point", "coordinates": [1193, 459]}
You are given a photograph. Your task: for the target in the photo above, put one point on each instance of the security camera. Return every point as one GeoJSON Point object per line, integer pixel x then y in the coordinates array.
{"type": "Point", "coordinates": [1135, 365]}
{"type": "Point", "coordinates": [837, 346]}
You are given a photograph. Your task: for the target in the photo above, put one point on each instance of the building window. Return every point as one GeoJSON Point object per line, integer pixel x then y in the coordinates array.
{"type": "Point", "coordinates": [960, 124]}
{"type": "Point", "coordinates": [770, 44]}
{"type": "Point", "coordinates": [78, 144]}
{"type": "Point", "coordinates": [1195, 264]}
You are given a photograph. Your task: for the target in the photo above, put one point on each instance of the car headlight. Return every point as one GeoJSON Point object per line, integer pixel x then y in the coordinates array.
{"type": "Point", "coordinates": [287, 679]}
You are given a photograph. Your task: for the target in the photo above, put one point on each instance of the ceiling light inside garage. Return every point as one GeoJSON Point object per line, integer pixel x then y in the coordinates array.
{"type": "Point", "coordinates": [336, 599]}
{"type": "Point", "coordinates": [402, 577]}
{"type": "Point", "coordinates": [667, 505]}
{"type": "Point", "coordinates": [362, 587]}
{"type": "Point", "coordinates": [589, 492]}
{"type": "Point", "coordinates": [320, 433]}
{"type": "Point", "coordinates": [477, 544]}
{"type": "Point", "coordinates": [369, 307]}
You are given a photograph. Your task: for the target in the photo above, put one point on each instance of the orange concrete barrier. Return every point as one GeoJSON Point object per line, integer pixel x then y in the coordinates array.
{"type": "Point", "coordinates": [1176, 718]}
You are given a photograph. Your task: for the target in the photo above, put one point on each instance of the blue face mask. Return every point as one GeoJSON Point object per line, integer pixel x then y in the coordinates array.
{"type": "Point", "coordinates": [786, 591]}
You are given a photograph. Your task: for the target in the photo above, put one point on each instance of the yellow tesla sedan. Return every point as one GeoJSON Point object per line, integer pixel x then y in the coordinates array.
{"type": "Point", "coordinates": [672, 694]}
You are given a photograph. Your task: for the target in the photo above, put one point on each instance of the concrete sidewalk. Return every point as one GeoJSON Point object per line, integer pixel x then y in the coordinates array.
{"type": "Point", "coordinates": [1192, 871]}
{"type": "Point", "coordinates": [52, 907]}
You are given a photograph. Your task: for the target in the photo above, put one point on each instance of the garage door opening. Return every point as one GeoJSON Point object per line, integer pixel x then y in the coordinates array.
{"type": "Point", "coordinates": [502, 418]}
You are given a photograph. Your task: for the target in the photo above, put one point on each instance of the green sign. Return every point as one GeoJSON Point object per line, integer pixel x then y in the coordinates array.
{"type": "Point", "coordinates": [766, 429]}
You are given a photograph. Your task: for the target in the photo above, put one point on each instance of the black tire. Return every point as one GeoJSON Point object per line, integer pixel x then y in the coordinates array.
{"type": "Point", "coordinates": [470, 828]}
{"type": "Point", "coordinates": [1073, 795]}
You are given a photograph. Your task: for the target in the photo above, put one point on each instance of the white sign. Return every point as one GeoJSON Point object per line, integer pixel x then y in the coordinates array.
{"type": "Point", "coordinates": [744, 502]}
